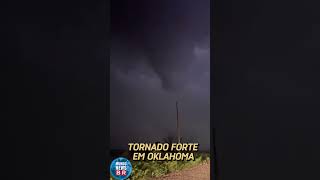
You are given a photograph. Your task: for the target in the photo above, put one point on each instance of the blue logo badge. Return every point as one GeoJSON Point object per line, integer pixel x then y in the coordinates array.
{"type": "Point", "coordinates": [120, 168]}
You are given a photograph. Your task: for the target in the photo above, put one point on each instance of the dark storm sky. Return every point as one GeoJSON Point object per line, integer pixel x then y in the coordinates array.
{"type": "Point", "coordinates": [159, 54]}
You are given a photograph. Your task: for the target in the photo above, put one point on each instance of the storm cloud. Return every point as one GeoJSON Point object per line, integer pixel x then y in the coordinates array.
{"type": "Point", "coordinates": [164, 32]}
{"type": "Point", "coordinates": [159, 55]}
